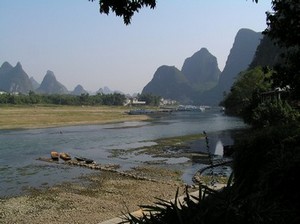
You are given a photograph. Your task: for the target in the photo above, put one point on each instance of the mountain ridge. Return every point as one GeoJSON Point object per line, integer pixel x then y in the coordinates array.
{"type": "Point", "coordinates": [202, 66]}
{"type": "Point", "coordinates": [50, 85]}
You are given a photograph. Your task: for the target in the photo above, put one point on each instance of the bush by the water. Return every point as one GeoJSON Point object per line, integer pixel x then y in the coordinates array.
{"type": "Point", "coordinates": [272, 113]}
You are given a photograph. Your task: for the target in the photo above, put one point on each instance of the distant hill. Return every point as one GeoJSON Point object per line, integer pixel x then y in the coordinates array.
{"type": "Point", "coordinates": [78, 90]}
{"type": "Point", "coordinates": [200, 81]}
{"type": "Point", "coordinates": [170, 83]}
{"type": "Point", "coordinates": [50, 85]}
{"type": "Point", "coordinates": [14, 79]}
{"type": "Point", "coordinates": [240, 56]}
{"type": "Point", "coordinates": [201, 70]}
{"type": "Point", "coordinates": [105, 90]}
{"type": "Point", "coordinates": [5, 68]}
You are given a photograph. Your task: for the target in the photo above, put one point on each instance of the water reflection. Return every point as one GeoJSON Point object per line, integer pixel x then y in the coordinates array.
{"type": "Point", "coordinates": [216, 141]}
{"type": "Point", "coordinates": [219, 148]}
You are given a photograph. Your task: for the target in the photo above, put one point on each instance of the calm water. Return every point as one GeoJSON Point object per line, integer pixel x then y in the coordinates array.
{"type": "Point", "coordinates": [19, 149]}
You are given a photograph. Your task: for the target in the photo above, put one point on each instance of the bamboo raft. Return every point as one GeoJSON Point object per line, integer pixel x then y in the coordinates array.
{"type": "Point", "coordinates": [102, 167]}
{"type": "Point", "coordinates": [73, 162]}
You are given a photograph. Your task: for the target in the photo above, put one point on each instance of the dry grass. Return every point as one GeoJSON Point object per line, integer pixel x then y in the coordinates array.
{"type": "Point", "coordinates": [51, 116]}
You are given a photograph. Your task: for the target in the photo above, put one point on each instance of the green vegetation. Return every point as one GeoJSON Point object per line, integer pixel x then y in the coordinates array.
{"type": "Point", "coordinates": [149, 98]}
{"type": "Point", "coordinates": [115, 99]}
{"type": "Point", "coordinates": [179, 140]}
{"type": "Point", "coordinates": [174, 147]}
{"type": "Point", "coordinates": [126, 9]}
{"type": "Point", "coordinates": [272, 113]}
{"type": "Point", "coordinates": [283, 29]}
{"type": "Point", "coordinates": [252, 98]}
{"type": "Point", "coordinates": [245, 91]}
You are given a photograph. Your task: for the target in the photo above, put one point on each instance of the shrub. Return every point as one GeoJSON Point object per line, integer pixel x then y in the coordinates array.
{"type": "Point", "coordinates": [272, 113]}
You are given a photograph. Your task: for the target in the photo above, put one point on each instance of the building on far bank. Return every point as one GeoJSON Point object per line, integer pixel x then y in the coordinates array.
{"type": "Point", "coordinates": [134, 102]}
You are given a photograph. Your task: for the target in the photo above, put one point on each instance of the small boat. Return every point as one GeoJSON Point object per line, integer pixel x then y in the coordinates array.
{"type": "Point", "coordinates": [140, 112]}
{"type": "Point", "coordinates": [83, 159]}
{"type": "Point", "coordinates": [54, 155]}
{"type": "Point", "coordinates": [65, 156]}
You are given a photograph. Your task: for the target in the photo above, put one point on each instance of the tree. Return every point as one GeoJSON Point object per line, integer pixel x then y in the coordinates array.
{"type": "Point", "coordinates": [284, 29]}
{"type": "Point", "coordinates": [284, 22]}
{"type": "Point", "coordinates": [243, 93]}
{"type": "Point", "coordinates": [33, 97]}
{"type": "Point", "coordinates": [124, 8]}
{"type": "Point", "coordinates": [150, 99]}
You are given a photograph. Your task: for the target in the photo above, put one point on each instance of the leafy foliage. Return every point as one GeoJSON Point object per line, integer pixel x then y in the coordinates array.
{"type": "Point", "coordinates": [245, 100]}
{"type": "Point", "coordinates": [284, 23]}
{"type": "Point", "coordinates": [63, 99]}
{"type": "Point", "coordinates": [209, 207]}
{"type": "Point", "coordinates": [266, 167]}
{"type": "Point", "coordinates": [150, 99]}
{"type": "Point", "coordinates": [241, 96]}
{"type": "Point", "coordinates": [272, 113]}
{"type": "Point", "coordinates": [284, 29]}
{"type": "Point", "coordinates": [124, 8]}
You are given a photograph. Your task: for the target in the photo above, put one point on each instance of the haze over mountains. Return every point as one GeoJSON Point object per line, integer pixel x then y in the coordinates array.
{"type": "Point", "coordinates": [14, 79]}
{"type": "Point", "coordinates": [199, 81]}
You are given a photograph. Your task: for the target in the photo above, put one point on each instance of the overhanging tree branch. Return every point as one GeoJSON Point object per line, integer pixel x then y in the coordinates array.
{"type": "Point", "coordinates": [124, 8]}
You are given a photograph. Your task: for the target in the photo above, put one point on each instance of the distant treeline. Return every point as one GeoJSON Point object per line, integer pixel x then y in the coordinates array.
{"type": "Point", "coordinates": [115, 99]}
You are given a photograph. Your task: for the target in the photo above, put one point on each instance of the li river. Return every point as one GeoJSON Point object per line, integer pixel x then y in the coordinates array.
{"type": "Point", "coordinates": [19, 149]}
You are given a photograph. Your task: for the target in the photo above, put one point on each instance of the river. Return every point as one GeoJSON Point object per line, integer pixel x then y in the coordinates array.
{"type": "Point", "coordinates": [19, 149]}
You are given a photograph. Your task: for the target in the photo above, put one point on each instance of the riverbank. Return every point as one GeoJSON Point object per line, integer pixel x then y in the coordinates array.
{"type": "Point", "coordinates": [92, 198]}
{"type": "Point", "coordinates": [96, 198]}
{"type": "Point", "coordinates": [26, 117]}
{"type": "Point", "coordinates": [103, 195]}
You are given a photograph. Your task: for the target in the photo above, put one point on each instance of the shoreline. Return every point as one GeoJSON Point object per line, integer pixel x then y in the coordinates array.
{"type": "Point", "coordinates": [95, 197]}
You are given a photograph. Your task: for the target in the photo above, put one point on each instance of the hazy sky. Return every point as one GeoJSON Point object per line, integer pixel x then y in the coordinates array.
{"type": "Point", "coordinates": [82, 46]}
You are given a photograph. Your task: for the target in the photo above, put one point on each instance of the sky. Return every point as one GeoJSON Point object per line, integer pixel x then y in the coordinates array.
{"type": "Point", "coordinates": [82, 46]}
